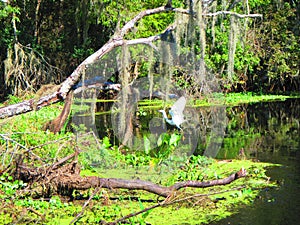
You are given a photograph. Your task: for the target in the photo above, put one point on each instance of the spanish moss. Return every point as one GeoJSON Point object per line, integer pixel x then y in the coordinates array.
{"type": "Point", "coordinates": [232, 47]}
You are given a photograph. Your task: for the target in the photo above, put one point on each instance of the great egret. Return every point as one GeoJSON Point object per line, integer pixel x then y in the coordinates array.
{"type": "Point", "coordinates": [176, 113]}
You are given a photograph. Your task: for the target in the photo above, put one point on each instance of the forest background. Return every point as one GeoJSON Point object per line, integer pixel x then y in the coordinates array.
{"type": "Point", "coordinates": [42, 42]}
{"type": "Point", "coordinates": [246, 45]}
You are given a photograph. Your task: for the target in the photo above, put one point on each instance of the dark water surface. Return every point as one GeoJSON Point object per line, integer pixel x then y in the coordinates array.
{"type": "Point", "coordinates": [268, 132]}
{"type": "Point", "coordinates": [279, 124]}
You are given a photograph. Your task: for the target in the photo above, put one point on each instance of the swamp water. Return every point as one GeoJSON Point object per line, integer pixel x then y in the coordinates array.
{"type": "Point", "coordinates": [278, 124]}
{"type": "Point", "coordinates": [267, 132]}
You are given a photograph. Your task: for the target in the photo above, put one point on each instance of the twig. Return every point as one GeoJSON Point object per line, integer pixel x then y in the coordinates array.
{"type": "Point", "coordinates": [47, 143]}
{"type": "Point", "coordinates": [7, 139]}
{"type": "Point", "coordinates": [85, 205]}
{"type": "Point", "coordinates": [63, 160]}
{"type": "Point", "coordinates": [4, 136]}
{"type": "Point", "coordinates": [96, 139]}
{"type": "Point", "coordinates": [136, 213]}
{"type": "Point", "coordinates": [205, 195]}
{"type": "Point", "coordinates": [41, 56]}
{"type": "Point", "coordinates": [149, 40]}
{"type": "Point", "coordinates": [167, 201]}
{"type": "Point", "coordinates": [29, 150]}
{"type": "Point", "coordinates": [36, 212]}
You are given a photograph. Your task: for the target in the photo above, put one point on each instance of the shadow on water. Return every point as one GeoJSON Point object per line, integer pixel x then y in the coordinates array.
{"type": "Point", "coordinates": [278, 124]}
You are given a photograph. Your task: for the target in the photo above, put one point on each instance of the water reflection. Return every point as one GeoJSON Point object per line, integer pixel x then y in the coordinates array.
{"type": "Point", "coordinates": [277, 124]}
{"type": "Point", "coordinates": [266, 132]}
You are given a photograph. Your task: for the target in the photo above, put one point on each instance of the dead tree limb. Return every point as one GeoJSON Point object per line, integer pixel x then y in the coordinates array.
{"type": "Point", "coordinates": [66, 86]}
{"type": "Point", "coordinates": [66, 178]}
{"type": "Point", "coordinates": [170, 201]}
{"type": "Point", "coordinates": [124, 218]}
{"type": "Point", "coordinates": [233, 14]}
{"type": "Point", "coordinates": [166, 191]}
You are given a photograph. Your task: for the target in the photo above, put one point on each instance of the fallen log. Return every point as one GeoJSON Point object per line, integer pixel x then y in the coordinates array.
{"type": "Point", "coordinates": [64, 179]}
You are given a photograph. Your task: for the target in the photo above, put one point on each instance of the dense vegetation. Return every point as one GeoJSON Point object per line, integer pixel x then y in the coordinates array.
{"type": "Point", "coordinates": [43, 41]}
{"type": "Point", "coordinates": [63, 33]}
{"type": "Point", "coordinates": [21, 205]}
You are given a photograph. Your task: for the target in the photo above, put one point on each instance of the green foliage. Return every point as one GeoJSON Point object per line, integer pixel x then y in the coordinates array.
{"type": "Point", "coordinates": [245, 59]}
{"type": "Point", "coordinates": [24, 132]}
{"type": "Point", "coordinates": [8, 13]}
{"type": "Point", "coordinates": [104, 209]}
{"type": "Point", "coordinates": [266, 56]}
{"type": "Point", "coordinates": [114, 13]}
{"type": "Point", "coordinates": [194, 169]}
{"type": "Point", "coordinates": [166, 144]}
{"type": "Point", "coordinates": [233, 99]}
{"type": "Point", "coordinates": [8, 10]}
{"type": "Point", "coordinates": [13, 100]}
{"type": "Point", "coordinates": [279, 47]}
{"type": "Point", "coordinates": [220, 202]}
{"type": "Point", "coordinates": [96, 154]}
{"type": "Point", "coordinates": [279, 51]}
{"type": "Point", "coordinates": [80, 53]}
{"type": "Point", "coordinates": [8, 186]}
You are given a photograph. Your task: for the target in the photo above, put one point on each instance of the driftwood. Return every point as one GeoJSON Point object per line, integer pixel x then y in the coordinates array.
{"type": "Point", "coordinates": [63, 177]}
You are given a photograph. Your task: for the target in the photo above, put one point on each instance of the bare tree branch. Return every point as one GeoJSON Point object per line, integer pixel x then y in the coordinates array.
{"type": "Point", "coordinates": [61, 93]}
{"type": "Point", "coordinates": [233, 14]}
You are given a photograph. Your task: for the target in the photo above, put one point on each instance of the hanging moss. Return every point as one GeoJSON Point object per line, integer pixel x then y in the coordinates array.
{"type": "Point", "coordinates": [232, 47]}
{"type": "Point", "coordinates": [124, 74]}
{"type": "Point", "coordinates": [150, 73]}
{"type": "Point", "coordinates": [26, 70]}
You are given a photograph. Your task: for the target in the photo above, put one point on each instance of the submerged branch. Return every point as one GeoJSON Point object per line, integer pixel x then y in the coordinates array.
{"type": "Point", "coordinates": [124, 218]}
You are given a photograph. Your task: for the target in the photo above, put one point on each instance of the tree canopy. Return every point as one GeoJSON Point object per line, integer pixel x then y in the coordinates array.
{"type": "Point", "coordinates": [44, 41]}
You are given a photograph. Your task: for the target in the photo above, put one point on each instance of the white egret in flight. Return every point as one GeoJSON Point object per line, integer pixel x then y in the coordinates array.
{"type": "Point", "coordinates": [176, 113]}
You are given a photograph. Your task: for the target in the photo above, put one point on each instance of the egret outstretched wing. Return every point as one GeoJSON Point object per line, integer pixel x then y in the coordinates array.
{"type": "Point", "coordinates": [179, 105]}
{"type": "Point", "coordinates": [176, 111]}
